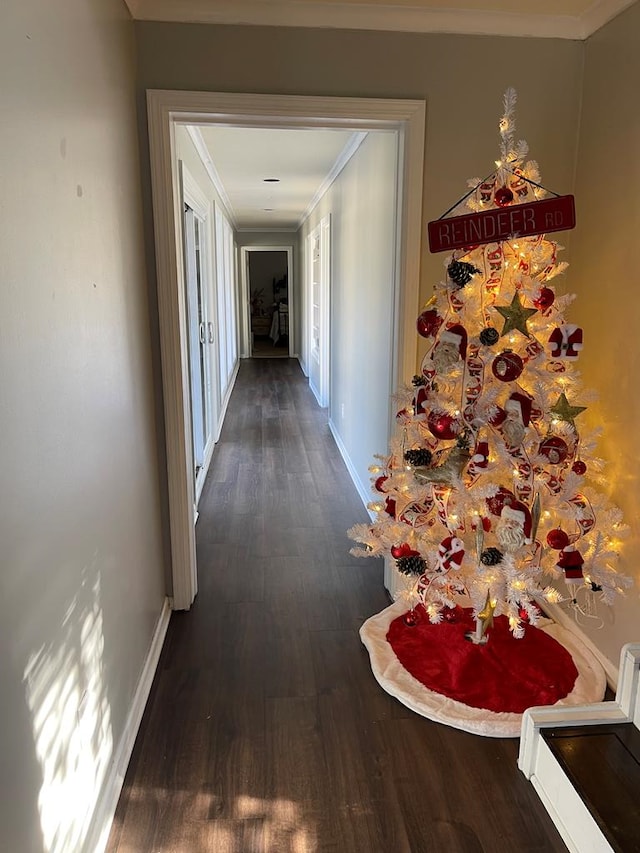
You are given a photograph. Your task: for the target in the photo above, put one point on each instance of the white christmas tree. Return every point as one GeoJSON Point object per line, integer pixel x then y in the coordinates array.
{"type": "Point", "coordinates": [489, 492]}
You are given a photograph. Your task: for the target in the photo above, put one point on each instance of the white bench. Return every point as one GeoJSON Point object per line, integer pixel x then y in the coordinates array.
{"type": "Point", "coordinates": [577, 826]}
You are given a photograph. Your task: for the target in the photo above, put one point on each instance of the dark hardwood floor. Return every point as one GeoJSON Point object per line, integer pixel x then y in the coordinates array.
{"type": "Point", "coordinates": [265, 731]}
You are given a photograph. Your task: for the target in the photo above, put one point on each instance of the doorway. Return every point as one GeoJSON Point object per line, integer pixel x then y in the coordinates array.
{"type": "Point", "coordinates": [166, 109]}
{"type": "Point", "coordinates": [268, 273]}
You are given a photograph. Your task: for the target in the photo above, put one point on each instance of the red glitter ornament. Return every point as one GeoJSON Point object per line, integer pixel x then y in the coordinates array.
{"type": "Point", "coordinates": [443, 425]}
{"type": "Point", "coordinates": [428, 323]}
{"type": "Point", "coordinates": [379, 482]}
{"type": "Point", "coordinates": [503, 497]}
{"type": "Point", "coordinates": [557, 539]}
{"type": "Point", "coordinates": [544, 299]}
{"type": "Point", "coordinates": [554, 448]}
{"type": "Point", "coordinates": [579, 467]}
{"type": "Point", "coordinates": [390, 507]}
{"type": "Point", "coordinates": [507, 366]}
{"type": "Point", "coordinates": [503, 196]}
{"type": "Point", "coordinates": [411, 618]}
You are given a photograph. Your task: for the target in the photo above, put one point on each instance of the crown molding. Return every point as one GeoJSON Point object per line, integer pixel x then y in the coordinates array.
{"type": "Point", "coordinates": [600, 13]}
{"type": "Point", "coordinates": [203, 152]}
{"type": "Point", "coordinates": [358, 16]}
{"type": "Point", "coordinates": [355, 141]}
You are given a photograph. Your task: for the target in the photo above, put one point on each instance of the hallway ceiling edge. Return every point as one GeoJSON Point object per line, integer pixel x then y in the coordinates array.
{"type": "Point", "coordinates": [567, 19]}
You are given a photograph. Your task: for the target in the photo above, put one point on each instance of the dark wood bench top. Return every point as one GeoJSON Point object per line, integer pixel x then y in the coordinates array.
{"type": "Point", "coordinates": [603, 764]}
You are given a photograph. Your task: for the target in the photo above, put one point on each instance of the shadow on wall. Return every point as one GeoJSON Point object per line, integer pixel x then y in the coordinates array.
{"type": "Point", "coordinates": [71, 740]}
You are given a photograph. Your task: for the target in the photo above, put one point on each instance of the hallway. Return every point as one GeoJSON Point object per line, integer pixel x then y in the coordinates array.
{"type": "Point", "coordinates": [265, 731]}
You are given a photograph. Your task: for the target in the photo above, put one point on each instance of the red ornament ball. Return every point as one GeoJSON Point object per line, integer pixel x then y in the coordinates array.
{"type": "Point", "coordinates": [554, 448]}
{"type": "Point", "coordinates": [503, 196]}
{"type": "Point", "coordinates": [443, 425]}
{"type": "Point", "coordinates": [507, 366]}
{"type": "Point", "coordinates": [557, 539]}
{"type": "Point", "coordinates": [428, 323]}
{"type": "Point", "coordinates": [503, 497]}
{"type": "Point", "coordinates": [411, 618]}
{"type": "Point", "coordinates": [544, 299]}
{"type": "Point", "coordinates": [404, 550]}
{"type": "Point", "coordinates": [579, 467]}
{"type": "Point", "coordinates": [379, 482]}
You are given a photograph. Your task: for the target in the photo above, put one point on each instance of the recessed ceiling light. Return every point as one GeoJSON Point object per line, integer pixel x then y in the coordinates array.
{"type": "Point", "coordinates": [268, 209]}
{"type": "Point", "coordinates": [271, 180]}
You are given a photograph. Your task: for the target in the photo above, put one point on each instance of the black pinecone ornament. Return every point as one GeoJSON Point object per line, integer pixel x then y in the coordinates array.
{"type": "Point", "coordinates": [418, 456]}
{"type": "Point", "coordinates": [461, 273]}
{"type": "Point", "coordinates": [419, 381]}
{"type": "Point", "coordinates": [413, 565]}
{"type": "Point", "coordinates": [489, 336]}
{"type": "Point", "coordinates": [491, 557]}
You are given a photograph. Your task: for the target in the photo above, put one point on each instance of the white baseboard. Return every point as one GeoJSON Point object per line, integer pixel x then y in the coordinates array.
{"type": "Point", "coordinates": [560, 615]}
{"type": "Point", "coordinates": [363, 491]}
{"type": "Point", "coordinates": [98, 834]}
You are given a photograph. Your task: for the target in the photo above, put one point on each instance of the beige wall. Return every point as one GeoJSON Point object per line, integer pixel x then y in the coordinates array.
{"type": "Point", "coordinates": [362, 205]}
{"type": "Point", "coordinates": [604, 275]}
{"type": "Point", "coordinates": [82, 566]}
{"type": "Point", "coordinates": [462, 79]}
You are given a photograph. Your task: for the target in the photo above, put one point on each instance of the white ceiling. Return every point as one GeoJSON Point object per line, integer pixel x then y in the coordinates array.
{"type": "Point", "coordinates": [239, 160]}
{"type": "Point", "coordinates": [569, 19]}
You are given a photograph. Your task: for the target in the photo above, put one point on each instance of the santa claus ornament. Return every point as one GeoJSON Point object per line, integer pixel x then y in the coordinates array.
{"type": "Point", "coordinates": [565, 341]}
{"type": "Point", "coordinates": [450, 554]}
{"type": "Point", "coordinates": [514, 528]}
{"type": "Point", "coordinates": [571, 562]}
{"type": "Point", "coordinates": [450, 349]}
{"type": "Point", "coordinates": [518, 416]}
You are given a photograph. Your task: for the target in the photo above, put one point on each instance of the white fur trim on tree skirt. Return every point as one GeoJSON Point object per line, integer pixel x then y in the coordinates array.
{"type": "Point", "coordinates": [589, 687]}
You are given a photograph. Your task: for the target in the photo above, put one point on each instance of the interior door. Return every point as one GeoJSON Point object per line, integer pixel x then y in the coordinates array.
{"type": "Point", "coordinates": [196, 336]}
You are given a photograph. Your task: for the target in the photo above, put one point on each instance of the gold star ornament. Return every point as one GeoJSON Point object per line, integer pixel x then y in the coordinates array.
{"type": "Point", "coordinates": [515, 316]}
{"type": "Point", "coordinates": [562, 411]}
{"type": "Point", "coordinates": [486, 614]}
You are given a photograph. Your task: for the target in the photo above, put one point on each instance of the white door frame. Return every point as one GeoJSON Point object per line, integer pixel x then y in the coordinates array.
{"type": "Point", "coordinates": [322, 232]}
{"type": "Point", "coordinates": [246, 295]}
{"type": "Point", "coordinates": [164, 109]}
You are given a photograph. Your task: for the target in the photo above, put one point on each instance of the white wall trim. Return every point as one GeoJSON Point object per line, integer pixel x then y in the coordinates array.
{"type": "Point", "coordinates": [363, 490]}
{"type": "Point", "coordinates": [370, 16]}
{"type": "Point", "coordinates": [203, 152]}
{"type": "Point", "coordinates": [562, 617]}
{"type": "Point", "coordinates": [600, 13]}
{"type": "Point", "coordinates": [165, 109]}
{"type": "Point", "coordinates": [98, 834]}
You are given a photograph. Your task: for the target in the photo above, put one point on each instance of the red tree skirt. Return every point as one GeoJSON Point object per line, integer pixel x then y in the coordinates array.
{"type": "Point", "coordinates": [483, 689]}
{"type": "Point", "coordinates": [503, 675]}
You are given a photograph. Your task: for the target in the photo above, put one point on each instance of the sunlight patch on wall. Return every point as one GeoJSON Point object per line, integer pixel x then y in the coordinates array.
{"type": "Point", "coordinates": [71, 722]}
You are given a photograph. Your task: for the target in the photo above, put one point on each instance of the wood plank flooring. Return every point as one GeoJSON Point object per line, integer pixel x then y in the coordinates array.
{"type": "Point", "coordinates": [265, 731]}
